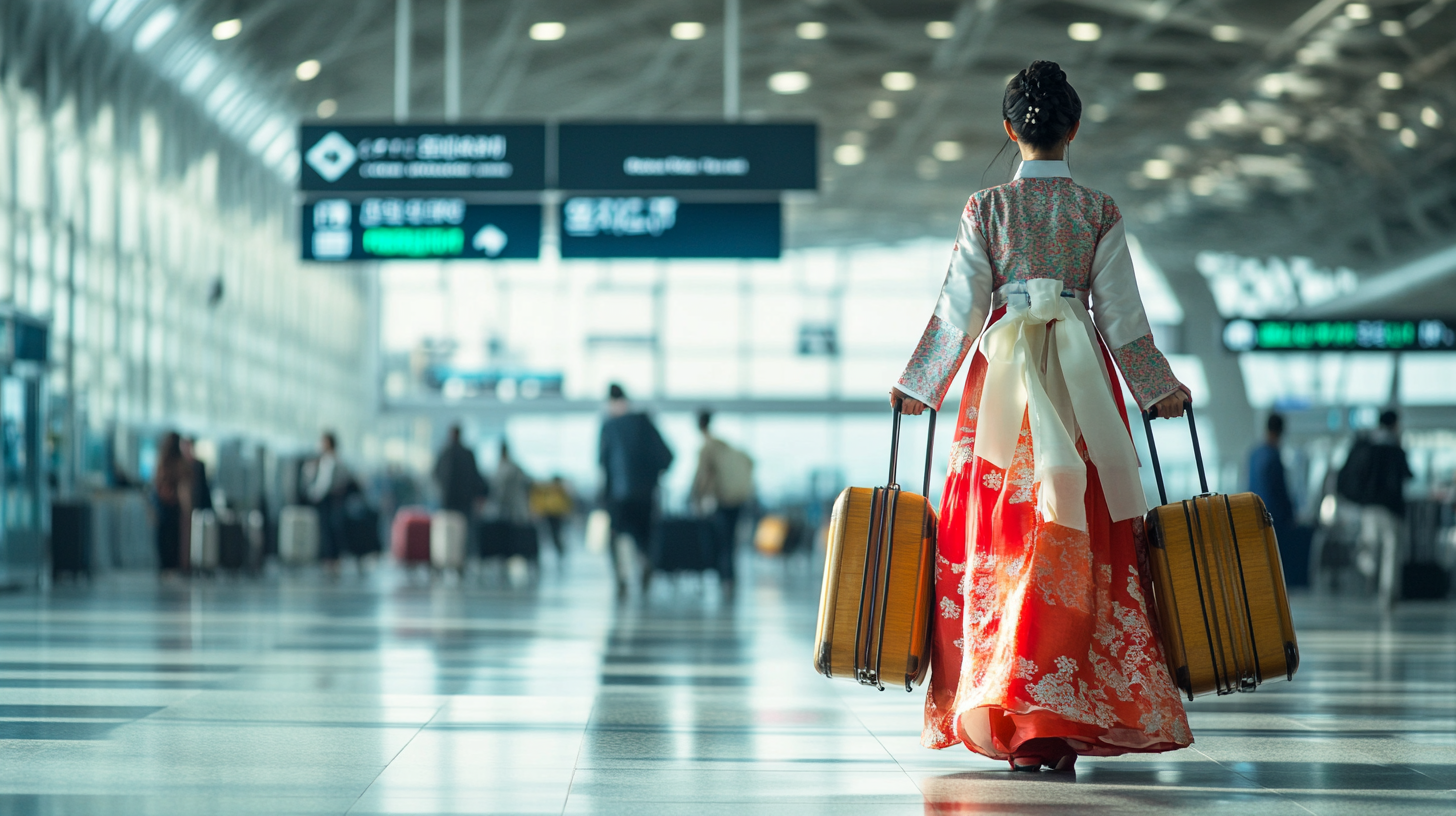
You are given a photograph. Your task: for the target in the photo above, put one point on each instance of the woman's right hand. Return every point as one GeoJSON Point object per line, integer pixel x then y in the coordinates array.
{"type": "Point", "coordinates": [908, 404]}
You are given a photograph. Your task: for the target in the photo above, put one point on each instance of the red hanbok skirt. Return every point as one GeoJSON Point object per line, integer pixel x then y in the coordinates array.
{"type": "Point", "coordinates": [1042, 633]}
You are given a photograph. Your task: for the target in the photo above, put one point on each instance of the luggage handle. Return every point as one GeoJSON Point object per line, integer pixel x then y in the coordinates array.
{"type": "Point", "coordinates": [1153, 450]}
{"type": "Point", "coordinates": [895, 446]}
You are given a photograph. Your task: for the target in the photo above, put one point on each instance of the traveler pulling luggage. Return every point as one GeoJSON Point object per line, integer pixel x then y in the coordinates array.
{"type": "Point", "coordinates": [409, 536]}
{"type": "Point", "coordinates": [298, 534]}
{"type": "Point", "coordinates": [448, 531]}
{"type": "Point", "coordinates": [876, 605]}
{"type": "Point", "coordinates": [1218, 586]}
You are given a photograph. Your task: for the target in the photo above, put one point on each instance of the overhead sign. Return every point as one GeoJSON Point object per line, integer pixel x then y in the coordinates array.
{"type": "Point", "coordinates": [423, 158]}
{"type": "Point", "coordinates": [337, 229]}
{"type": "Point", "coordinates": [688, 157]}
{"type": "Point", "coordinates": [665, 227]}
{"type": "Point", "coordinates": [1340, 335]}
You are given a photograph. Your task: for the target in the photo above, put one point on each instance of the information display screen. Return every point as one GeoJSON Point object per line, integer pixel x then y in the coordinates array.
{"type": "Point", "coordinates": [437, 228]}
{"type": "Point", "coordinates": [664, 227]}
{"type": "Point", "coordinates": [1340, 335]}
{"type": "Point", "coordinates": [422, 158]}
{"type": "Point", "coordinates": [671, 156]}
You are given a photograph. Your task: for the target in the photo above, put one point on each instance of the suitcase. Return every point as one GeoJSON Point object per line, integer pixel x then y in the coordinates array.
{"type": "Point", "coordinates": [503, 539]}
{"type": "Point", "coordinates": [1218, 587]}
{"type": "Point", "coordinates": [205, 540]}
{"type": "Point", "coordinates": [448, 532]}
{"type": "Point", "coordinates": [361, 527]}
{"type": "Point", "coordinates": [70, 538]}
{"type": "Point", "coordinates": [298, 534]}
{"type": "Point", "coordinates": [876, 606]}
{"type": "Point", "coordinates": [683, 544]}
{"type": "Point", "coordinates": [409, 536]}
{"type": "Point", "coordinates": [233, 549]}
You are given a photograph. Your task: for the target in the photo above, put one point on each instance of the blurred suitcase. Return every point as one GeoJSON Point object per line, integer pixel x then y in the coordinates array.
{"type": "Point", "coordinates": [503, 539]}
{"type": "Point", "coordinates": [232, 544]}
{"type": "Point", "coordinates": [876, 606]}
{"type": "Point", "coordinates": [298, 534]}
{"type": "Point", "coordinates": [70, 538]}
{"type": "Point", "coordinates": [409, 536]}
{"type": "Point", "coordinates": [1218, 587]}
{"type": "Point", "coordinates": [683, 544]}
{"type": "Point", "coordinates": [1423, 577]}
{"type": "Point", "coordinates": [448, 532]}
{"type": "Point", "coordinates": [206, 546]}
{"type": "Point", "coordinates": [361, 527]}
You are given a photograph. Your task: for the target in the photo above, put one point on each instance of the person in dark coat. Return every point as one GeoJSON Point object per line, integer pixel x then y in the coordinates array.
{"type": "Point", "coordinates": [633, 457]}
{"type": "Point", "coordinates": [1374, 477]}
{"type": "Point", "coordinates": [1267, 478]}
{"type": "Point", "coordinates": [461, 485]}
{"type": "Point", "coordinates": [201, 490]}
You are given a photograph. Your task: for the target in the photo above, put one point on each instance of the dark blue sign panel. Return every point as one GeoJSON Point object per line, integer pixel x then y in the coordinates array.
{"type": "Point", "coordinates": [337, 229]}
{"type": "Point", "coordinates": [664, 227]}
{"type": "Point", "coordinates": [688, 157]}
{"type": "Point", "coordinates": [1431, 334]}
{"type": "Point", "coordinates": [422, 158]}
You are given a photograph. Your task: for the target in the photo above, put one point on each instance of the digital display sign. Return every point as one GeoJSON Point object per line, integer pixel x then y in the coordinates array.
{"type": "Point", "coordinates": [665, 227]}
{"type": "Point", "coordinates": [676, 156]}
{"type": "Point", "coordinates": [423, 228]}
{"type": "Point", "coordinates": [1431, 334]}
{"type": "Point", "coordinates": [422, 158]}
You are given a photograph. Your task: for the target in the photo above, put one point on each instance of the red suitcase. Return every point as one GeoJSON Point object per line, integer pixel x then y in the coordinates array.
{"type": "Point", "coordinates": [409, 535]}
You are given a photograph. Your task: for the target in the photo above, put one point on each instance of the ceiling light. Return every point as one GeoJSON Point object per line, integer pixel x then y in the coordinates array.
{"type": "Point", "coordinates": [1390, 80]}
{"type": "Point", "coordinates": [1430, 117]}
{"type": "Point", "coordinates": [1137, 180]}
{"type": "Point", "coordinates": [227, 29]}
{"type": "Point", "coordinates": [789, 82]}
{"type": "Point", "coordinates": [1160, 169]}
{"type": "Point", "coordinates": [1388, 120]}
{"type": "Point", "coordinates": [1149, 81]}
{"type": "Point", "coordinates": [1357, 11]}
{"type": "Point", "coordinates": [1085, 32]}
{"type": "Point", "coordinates": [1226, 33]}
{"type": "Point", "coordinates": [1199, 130]}
{"type": "Point", "coordinates": [1098, 112]}
{"type": "Point", "coordinates": [1392, 28]}
{"type": "Point", "coordinates": [327, 108]}
{"type": "Point", "coordinates": [927, 168]}
{"type": "Point", "coordinates": [306, 70]}
{"type": "Point", "coordinates": [898, 81]}
{"type": "Point", "coordinates": [811, 31]}
{"type": "Point", "coordinates": [940, 29]}
{"type": "Point", "coordinates": [1203, 184]}
{"type": "Point", "coordinates": [849, 155]}
{"type": "Point", "coordinates": [546, 32]}
{"type": "Point", "coordinates": [154, 29]}
{"type": "Point", "coordinates": [1272, 135]}
{"type": "Point", "coordinates": [883, 109]}
{"type": "Point", "coordinates": [948, 151]}
{"type": "Point", "coordinates": [1408, 137]}
{"type": "Point", "coordinates": [855, 137]}
{"type": "Point", "coordinates": [687, 31]}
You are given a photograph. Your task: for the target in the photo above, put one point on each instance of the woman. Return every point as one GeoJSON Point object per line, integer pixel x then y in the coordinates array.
{"type": "Point", "coordinates": [173, 483]}
{"type": "Point", "coordinates": [1044, 642]}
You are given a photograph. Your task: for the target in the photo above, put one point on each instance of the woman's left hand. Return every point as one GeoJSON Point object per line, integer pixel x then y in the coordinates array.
{"type": "Point", "coordinates": [1171, 405]}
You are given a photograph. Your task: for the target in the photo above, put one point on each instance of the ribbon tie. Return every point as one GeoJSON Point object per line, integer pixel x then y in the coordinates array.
{"type": "Point", "coordinates": [1041, 363]}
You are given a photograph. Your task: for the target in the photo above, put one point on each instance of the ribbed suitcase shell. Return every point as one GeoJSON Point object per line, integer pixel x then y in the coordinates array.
{"type": "Point", "coordinates": [866, 632]}
{"type": "Point", "coordinates": [1219, 589]}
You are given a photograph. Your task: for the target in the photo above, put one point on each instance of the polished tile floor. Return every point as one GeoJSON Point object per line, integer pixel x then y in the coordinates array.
{"type": "Point", "coordinates": [386, 694]}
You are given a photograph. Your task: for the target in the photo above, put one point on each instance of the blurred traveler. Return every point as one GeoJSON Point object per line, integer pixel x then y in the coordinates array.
{"type": "Point", "coordinates": [1267, 478]}
{"type": "Point", "coordinates": [328, 484]}
{"type": "Point", "coordinates": [722, 486]}
{"type": "Point", "coordinates": [1040, 256]}
{"type": "Point", "coordinates": [1374, 477]}
{"type": "Point", "coordinates": [173, 483]}
{"type": "Point", "coordinates": [551, 502]}
{"type": "Point", "coordinates": [633, 457]}
{"type": "Point", "coordinates": [461, 485]}
{"type": "Point", "coordinates": [201, 490]}
{"type": "Point", "coordinates": [511, 488]}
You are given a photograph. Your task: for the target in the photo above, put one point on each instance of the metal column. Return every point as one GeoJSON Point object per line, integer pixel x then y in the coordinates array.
{"type": "Point", "coordinates": [452, 60]}
{"type": "Point", "coordinates": [403, 31]}
{"type": "Point", "coordinates": [731, 25]}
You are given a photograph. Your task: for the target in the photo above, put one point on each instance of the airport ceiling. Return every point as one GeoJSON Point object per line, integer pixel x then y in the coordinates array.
{"type": "Point", "coordinates": [1268, 127]}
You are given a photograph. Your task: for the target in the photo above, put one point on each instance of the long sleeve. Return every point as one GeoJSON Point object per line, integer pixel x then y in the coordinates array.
{"type": "Point", "coordinates": [1117, 311]}
{"type": "Point", "coordinates": [960, 313]}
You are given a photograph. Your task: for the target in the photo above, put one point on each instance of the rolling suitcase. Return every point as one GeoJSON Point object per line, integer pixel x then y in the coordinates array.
{"type": "Point", "coordinates": [70, 538]}
{"type": "Point", "coordinates": [233, 549]}
{"type": "Point", "coordinates": [1218, 587]}
{"type": "Point", "coordinates": [409, 536]}
{"type": "Point", "coordinates": [683, 544]}
{"type": "Point", "coordinates": [876, 605]}
{"type": "Point", "coordinates": [448, 532]}
{"type": "Point", "coordinates": [298, 534]}
{"type": "Point", "coordinates": [206, 545]}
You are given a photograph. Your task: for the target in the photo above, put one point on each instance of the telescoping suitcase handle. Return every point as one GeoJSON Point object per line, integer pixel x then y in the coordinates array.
{"type": "Point", "coordinates": [895, 448]}
{"type": "Point", "coordinates": [1153, 450]}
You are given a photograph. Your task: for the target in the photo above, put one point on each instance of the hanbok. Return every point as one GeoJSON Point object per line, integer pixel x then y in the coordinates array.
{"type": "Point", "coordinates": [1044, 634]}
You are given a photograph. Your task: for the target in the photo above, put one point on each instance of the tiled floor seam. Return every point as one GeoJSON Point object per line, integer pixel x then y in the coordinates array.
{"type": "Point", "coordinates": [1262, 786]}
{"type": "Point", "coordinates": [576, 763]}
{"type": "Point", "coordinates": [401, 750]}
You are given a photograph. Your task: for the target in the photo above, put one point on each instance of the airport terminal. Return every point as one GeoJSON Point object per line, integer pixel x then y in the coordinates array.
{"type": "Point", "coordinates": [856, 407]}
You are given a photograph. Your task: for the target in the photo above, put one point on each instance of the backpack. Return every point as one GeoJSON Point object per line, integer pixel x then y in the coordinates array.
{"type": "Point", "coordinates": [735, 477]}
{"type": "Point", "coordinates": [1353, 483]}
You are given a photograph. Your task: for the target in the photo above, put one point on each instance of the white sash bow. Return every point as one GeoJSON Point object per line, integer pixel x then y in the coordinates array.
{"type": "Point", "coordinates": [1063, 388]}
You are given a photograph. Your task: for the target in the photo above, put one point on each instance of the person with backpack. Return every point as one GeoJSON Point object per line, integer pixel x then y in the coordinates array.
{"type": "Point", "coordinates": [722, 487]}
{"type": "Point", "coordinates": [633, 457]}
{"type": "Point", "coordinates": [1374, 477]}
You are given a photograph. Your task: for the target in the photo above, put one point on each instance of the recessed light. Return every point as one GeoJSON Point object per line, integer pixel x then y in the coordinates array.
{"type": "Point", "coordinates": [1085, 32]}
{"type": "Point", "coordinates": [547, 32]}
{"type": "Point", "coordinates": [849, 155]}
{"type": "Point", "coordinates": [1430, 117]}
{"type": "Point", "coordinates": [1272, 135]}
{"type": "Point", "coordinates": [1392, 28]}
{"type": "Point", "coordinates": [1390, 80]}
{"type": "Point", "coordinates": [940, 29]}
{"type": "Point", "coordinates": [227, 29]}
{"type": "Point", "coordinates": [327, 108]}
{"type": "Point", "coordinates": [1149, 81]}
{"type": "Point", "coordinates": [306, 70]}
{"type": "Point", "coordinates": [1160, 169]}
{"type": "Point", "coordinates": [688, 31]}
{"type": "Point", "coordinates": [811, 31]}
{"type": "Point", "coordinates": [1098, 112]}
{"type": "Point", "coordinates": [789, 82]}
{"type": "Point", "coordinates": [898, 81]}
{"type": "Point", "coordinates": [948, 151]}
{"type": "Point", "coordinates": [1408, 137]}
{"type": "Point", "coordinates": [1357, 11]}
{"type": "Point", "coordinates": [1226, 33]}
{"type": "Point", "coordinates": [1388, 120]}
{"type": "Point", "coordinates": [883, 109]}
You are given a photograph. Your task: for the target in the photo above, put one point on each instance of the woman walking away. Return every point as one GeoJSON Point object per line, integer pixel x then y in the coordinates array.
{"type": "Point", "coordinates": [173, 482]}
{"type": "Point", "coordinates": [1045, 645]}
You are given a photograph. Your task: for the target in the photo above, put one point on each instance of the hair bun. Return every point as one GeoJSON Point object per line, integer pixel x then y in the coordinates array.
{"type": "Point", "coordinates": [1040, 104]}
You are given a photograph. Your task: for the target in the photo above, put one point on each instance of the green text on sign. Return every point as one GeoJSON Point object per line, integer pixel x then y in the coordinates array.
{"type": "Point", "coordinates": [414, 242]}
